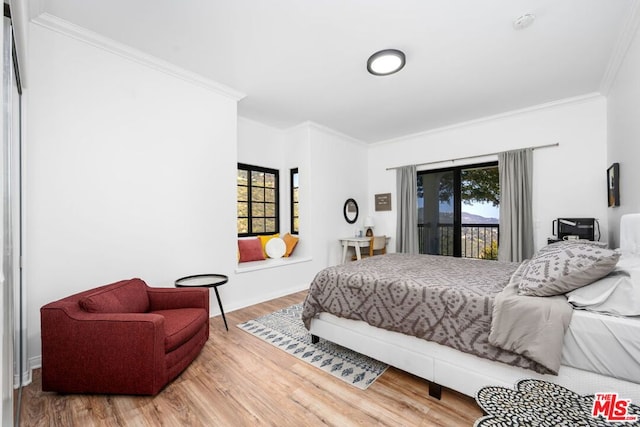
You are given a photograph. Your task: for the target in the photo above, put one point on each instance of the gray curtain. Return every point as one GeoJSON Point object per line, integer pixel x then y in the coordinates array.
{"type": "Point", "coordinates": [516, 212]}
{"type": "Point", "coordinates": [407, 226]}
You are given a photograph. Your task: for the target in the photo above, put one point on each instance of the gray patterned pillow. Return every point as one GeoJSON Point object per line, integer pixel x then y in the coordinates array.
{"type": "Point", "coordinates": [566, 243]}
{"type": "Point", "coordinates": [563, 268]}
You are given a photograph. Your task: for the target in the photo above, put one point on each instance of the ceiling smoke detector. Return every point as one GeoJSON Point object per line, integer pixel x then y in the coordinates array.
{"type": "Point", "coordinates": [524, 21]}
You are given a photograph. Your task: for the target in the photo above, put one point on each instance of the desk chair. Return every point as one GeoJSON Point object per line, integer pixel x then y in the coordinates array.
{"type": "Point", "coordinates": [377, 246]}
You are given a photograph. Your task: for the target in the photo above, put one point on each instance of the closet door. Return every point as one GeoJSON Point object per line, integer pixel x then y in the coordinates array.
{"type": "Point", "coordinates": [10, 274]}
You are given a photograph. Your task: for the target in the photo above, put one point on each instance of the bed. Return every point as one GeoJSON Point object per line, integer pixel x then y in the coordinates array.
{"type": "Point", "coordinates": [382, 307]}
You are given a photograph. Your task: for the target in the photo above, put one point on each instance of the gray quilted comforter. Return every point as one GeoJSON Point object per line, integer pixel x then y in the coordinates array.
{"type": "Point", "coordinates": [443, 299]}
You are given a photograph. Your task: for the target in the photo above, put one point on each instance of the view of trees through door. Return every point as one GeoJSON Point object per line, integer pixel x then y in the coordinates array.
{"type": "Point", "coordinates": [458, 211]}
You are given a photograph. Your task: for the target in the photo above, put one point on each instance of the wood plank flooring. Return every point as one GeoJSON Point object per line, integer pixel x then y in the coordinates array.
{"type": "Point", "coordinates": [239, 380]}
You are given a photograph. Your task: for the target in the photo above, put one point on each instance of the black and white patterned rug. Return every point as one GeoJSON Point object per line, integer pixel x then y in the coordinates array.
{"type": "Point", "coordinates": [544, 404]}
{"type": "Point", "coordinates": [285, 330]}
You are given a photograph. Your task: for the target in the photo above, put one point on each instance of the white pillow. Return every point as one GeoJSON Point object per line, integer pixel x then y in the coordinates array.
{"type": "Point", "coordinates": [275, 247]}
{"type": "Point", "coordinates": [618, 293]}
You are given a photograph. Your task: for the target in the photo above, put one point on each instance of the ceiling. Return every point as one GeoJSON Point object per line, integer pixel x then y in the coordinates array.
{"type": "Point", "coordinates": [305, 60]}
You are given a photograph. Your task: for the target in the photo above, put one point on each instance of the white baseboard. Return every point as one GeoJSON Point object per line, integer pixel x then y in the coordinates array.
{"type": "Point", "coordinates": [27, 376]}
{"type": "Point", "coordinates": [266, 297]}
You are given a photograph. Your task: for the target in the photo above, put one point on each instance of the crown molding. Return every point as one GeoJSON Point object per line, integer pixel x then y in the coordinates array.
{"type": "Point", "coordinates": [625, 38]}
{"type": "Point", "coordinates": [538, 107]}
{"type": "Point", "coordinates": [76, 32]}
{"type": "Point", "coordinates": [306, 126]}
{"type": "Point", "coordinates": [329, 131]}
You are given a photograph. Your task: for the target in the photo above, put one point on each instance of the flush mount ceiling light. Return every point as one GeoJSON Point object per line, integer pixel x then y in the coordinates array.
{"type": "Point", "coordinates": [386, 62]}
{"type": "Point", "coordinates": [522, 22]}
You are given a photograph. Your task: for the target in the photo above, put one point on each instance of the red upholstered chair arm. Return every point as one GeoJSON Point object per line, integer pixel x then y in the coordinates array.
{"type": "Point", "coordinates": [81, 348]}
{"type": "Point", "coordinates": [172, 298]}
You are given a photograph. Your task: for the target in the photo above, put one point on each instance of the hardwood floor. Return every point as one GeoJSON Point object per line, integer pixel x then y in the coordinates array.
{"type": "Point", "coordinates": [239, 380]}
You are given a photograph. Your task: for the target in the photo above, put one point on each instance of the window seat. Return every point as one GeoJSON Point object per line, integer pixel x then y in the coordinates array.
{"type": "Point", "coordinates": [246, 267]}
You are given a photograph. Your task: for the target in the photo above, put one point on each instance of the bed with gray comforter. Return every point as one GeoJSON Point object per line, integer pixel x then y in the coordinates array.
{"type": "Point", "coordinates": [450, 301]}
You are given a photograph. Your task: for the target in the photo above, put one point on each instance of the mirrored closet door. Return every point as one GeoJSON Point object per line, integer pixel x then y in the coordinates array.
{"type": "Point", "coordinates": [13, 357]}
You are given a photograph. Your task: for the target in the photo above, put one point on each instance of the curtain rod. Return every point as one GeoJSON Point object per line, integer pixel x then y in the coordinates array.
{"type": "Point", "coordinates": [476, 156]}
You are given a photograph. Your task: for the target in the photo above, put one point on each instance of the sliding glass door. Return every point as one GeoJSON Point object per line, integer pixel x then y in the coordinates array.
{"type": "Point", "coordinates": [436, 213]}
{"type": "Point", "coordinates": [458, 211]}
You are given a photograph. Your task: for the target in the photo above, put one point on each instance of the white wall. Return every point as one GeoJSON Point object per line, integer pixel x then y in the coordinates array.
{"type": "Point", "coordinates": [624, 135]}
{"type": "Point", "coordinates": [130, 172]}
{"type": "Point", "coordinates": [338, 171]}
{"type": "Point", "coordinates": [568, 180]}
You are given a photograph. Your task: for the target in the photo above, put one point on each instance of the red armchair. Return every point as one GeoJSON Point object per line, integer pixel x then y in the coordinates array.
{"type": "Point", "coordinates": [122, 338]}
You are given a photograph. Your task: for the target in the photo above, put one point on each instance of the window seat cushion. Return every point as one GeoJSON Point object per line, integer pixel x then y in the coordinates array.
{"type": "Point", "coordinates": [246, 267]}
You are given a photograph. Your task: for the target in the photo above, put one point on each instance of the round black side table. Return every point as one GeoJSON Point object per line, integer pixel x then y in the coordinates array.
{"type": "Point", "coordinates": [207, 281]}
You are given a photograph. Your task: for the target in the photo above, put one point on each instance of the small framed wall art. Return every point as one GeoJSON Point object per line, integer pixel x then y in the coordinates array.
{"type": "Point", "coordinates": [613, 185]}
{"type": "Point", "coordinates": [383, 202]}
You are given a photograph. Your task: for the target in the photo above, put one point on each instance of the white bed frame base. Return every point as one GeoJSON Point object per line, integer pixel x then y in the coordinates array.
{"type": "Point", "coordinates": [451, 368]}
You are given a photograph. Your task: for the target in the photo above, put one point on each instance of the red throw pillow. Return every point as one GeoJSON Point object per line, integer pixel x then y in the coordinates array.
{"type": "Point", "coordinates": [126, 296]}
{"type": "Point", "coordinates": [250, 250]}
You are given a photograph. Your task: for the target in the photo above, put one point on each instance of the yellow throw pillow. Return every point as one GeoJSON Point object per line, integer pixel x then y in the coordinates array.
{"type": "Point", "coordinates": [264, 240]}
{"type": "Point", "coordinates": [291, 242]}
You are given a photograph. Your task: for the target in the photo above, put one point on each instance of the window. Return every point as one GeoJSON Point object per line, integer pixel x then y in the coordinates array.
{"type": "Point", "coordinates": [295, 209]}
{"type": "Point", "coordinates": [257, 200]}
{"type": "Point", "coordinates": [458, 211]}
